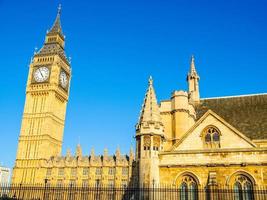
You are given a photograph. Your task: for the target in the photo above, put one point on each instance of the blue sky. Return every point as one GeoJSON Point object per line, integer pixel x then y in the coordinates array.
{"type": "Point", "coordinates": [115, 46]}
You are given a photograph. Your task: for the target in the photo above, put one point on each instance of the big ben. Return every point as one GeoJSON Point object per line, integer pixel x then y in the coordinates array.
{"type": "Point", "coordinates": [43, 120]}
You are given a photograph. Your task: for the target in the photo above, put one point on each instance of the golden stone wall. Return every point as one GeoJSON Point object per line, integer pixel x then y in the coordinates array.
{"type": "Point", "coordinates": [172, 144]}
{"type": "Point", "coordinates": [225, 175]}
{"type": "Point", "coordinates": [92, 170]}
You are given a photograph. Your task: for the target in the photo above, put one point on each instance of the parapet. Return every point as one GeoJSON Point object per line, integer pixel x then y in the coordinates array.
{"type": "Point", "coordinates": [179, 93]}
{"type": "Point", "coordinates": [90, 161]}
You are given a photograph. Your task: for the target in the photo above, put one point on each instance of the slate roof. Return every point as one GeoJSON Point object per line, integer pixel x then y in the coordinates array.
{"type": "Point", "coordinates": [246, 113]}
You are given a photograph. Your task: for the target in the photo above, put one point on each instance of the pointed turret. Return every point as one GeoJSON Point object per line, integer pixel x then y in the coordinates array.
{"type": "Point", "coordinates": [92, 154]}
{"type": "Point", "coordinates": [193, 85]}
{"type": "Point", "coordinates": [68, 154]}
{"type": "Point", "coordinates": [150, 113]}
{"type": "Point", "coordinates": [193, 71]}
{"type": "Point", "coordinates": [55, 34]}
{"type": "Point", "coordinates": [149, 137]}
{"type": "Point", "coordinates": [78, 151]}
{"type": "Point", "coordinates": [118, 153]}
{"type": "Point", "coordinates": [105, 155]}
{"type": "Point", "coordinates": [54, 40]}
{"type": "Point", "coordinates": [56, 28]}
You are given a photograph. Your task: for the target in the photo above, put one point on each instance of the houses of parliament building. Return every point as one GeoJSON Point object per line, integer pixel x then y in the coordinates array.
{"type": "Point", "coordinates": [186, 140]}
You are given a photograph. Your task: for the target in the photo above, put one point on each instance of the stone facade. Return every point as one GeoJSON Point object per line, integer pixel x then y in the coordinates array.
{"type": "Point", "coordinates": [39, 157]}
{"type": "Point", "coordinates": [186, 141]}
{"type": "Point", "coordinates": [43, 119]}
{"type": "Point", "coordinates": [89, 170]}
{"type": "Point", "coordinates": [205, 142]}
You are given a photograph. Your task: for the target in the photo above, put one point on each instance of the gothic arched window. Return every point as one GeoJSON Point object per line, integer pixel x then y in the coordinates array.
{"type": "Point", "coordinates": [216, 137]}
{"type": "Point", "coordinates": [207, 138]}
{"type": "Point", "coordinates": [243, 188]}
{"type": "Point", "coordinates": [188, 188]}
{"type": "Point", "coordinates": [211, 137]}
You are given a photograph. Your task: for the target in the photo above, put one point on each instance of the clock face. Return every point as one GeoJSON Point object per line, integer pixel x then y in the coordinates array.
{"type": "Point", "coordinates": [41, 74]}
{"type": "Point", "coordinates": [63, 79]}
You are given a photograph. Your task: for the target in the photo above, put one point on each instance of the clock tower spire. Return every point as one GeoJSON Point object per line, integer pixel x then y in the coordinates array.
{"type": "Point", "coordinates": [43, 120]}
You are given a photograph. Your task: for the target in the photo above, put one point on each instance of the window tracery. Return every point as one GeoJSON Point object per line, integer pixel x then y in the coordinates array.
{"type": "Point", "coordinates": [188, 188]}
{"type": "Point", "coordinates": [243, 188]}
{"type": "Point", "coordinates": [147, 142]}
{"type": "Point", "coordinates": [156, 143]}
{"type": "Point", "coordinates": [211, 137]}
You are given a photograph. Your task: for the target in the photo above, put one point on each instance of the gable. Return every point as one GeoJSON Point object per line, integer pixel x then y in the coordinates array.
{"type": "Point", "coordinates": [230, 138]}
{"type": "Point", "coordinates": [247, 113]}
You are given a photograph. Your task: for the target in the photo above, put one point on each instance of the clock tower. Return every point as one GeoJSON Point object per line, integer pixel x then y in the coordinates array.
{"type": "Point", "coordinates": [46, 100]}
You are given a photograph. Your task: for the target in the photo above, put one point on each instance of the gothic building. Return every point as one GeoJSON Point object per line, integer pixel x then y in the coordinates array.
{"type": "Point", "coordinates": [195, 142]}
{"type": "Point", "coordinates": [187, 140]}
{"type": "Point", "coordinates": [39, 157]}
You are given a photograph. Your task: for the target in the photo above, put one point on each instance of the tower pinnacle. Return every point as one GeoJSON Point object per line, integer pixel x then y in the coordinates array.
{"type": "Point", "coordinates": [150, 113]}
{"type": "Point", "coordinates": [59, 9]}
{"type": "Point", "coordinates": [192, 66]}
{"type": "Point", "coordinates": [149, 137]}
{"type": "Point", "coordinates": [56, 28]}
{"type": "Point", "coordinates": [150, 81]}
{"type": "Point", "coordinates": [54, 40]}
{"type": "Point", "coordinates": [193, 79]}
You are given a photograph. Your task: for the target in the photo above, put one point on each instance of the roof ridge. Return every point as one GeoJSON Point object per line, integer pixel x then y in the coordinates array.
{"type": "Point", "coordinates": [235, 96]}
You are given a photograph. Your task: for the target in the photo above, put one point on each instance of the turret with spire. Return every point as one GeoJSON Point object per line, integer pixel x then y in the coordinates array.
{"type": "Point", "coordinates": [193, 85]}
{"type": "Point", "coordinates": [150, 114]}
{"type": "Point", "coordinates": [54, 40]}
{"type": "Point", "coordinates": [56, 28]}
{"type": "Point", "coordinates": [149, 137]}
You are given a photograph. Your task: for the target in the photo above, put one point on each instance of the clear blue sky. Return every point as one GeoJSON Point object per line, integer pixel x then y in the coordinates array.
{"type": "Point", "coordinates": [115, 46]}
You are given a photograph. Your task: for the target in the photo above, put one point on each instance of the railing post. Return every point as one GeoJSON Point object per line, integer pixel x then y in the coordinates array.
{"type": "Point", "coordinates": [44, 196]}
{"type": "Point", "coordinates": [19, 190]}
{"type": "Point", "coordinates": [153, 185]}
{"type": "Point", "coordinates": [138, 192]}
{"type": "Point", "coordinates": [70, 192]}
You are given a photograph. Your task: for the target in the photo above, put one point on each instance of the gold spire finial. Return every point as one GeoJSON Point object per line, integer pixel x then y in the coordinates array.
{"type": "Point", "coordinates": [192, 59]}
{"type": "Point", "coordinates": [150, 80]}
{"type": "Point", "coordinates": [59, 9]}
{"type": "Point", "coordinates": [56, 28]}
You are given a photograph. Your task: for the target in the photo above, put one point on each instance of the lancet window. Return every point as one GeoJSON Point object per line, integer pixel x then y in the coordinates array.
{"type": "Point", "coordinates": [188, 188]}
{"type": "Point", "coordinates": [243, 188]}
{"type": "Point", "coordinates": [211, 137]}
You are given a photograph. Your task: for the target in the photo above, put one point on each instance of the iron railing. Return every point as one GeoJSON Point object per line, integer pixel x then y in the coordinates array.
{"type": "Point", "coordinates": [100, 192]}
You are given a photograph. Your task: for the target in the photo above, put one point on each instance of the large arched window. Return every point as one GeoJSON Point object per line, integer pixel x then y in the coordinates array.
{"type": "Point", "coordinates": [188, 188]}
{"type": "Point", "coordinates": [211, 137]}
{"type": "Point", "coordinates": [243, 188]}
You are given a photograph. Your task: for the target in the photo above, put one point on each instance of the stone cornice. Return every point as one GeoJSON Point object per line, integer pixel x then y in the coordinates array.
{"type": "Point", "coordinates": [178, 110]}
{"type": "Point", "coordinates": [242, 164]}
{"type": "Point", "coordinates": [43, 115]}
{"type": "Point", "coordinates": [39, 137]}
{"type": "Point", "coordinates": [151, 134]}
{"type": "Point", "coordinates": [231, 150]}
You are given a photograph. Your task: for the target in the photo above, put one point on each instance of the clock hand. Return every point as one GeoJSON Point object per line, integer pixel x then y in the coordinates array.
{"type": "Point", "coordinates": [41, 73]}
